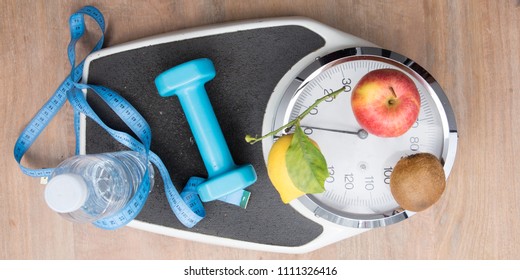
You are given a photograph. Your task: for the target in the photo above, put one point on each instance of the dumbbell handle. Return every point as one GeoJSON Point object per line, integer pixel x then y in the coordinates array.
{"type": "Point", "coordinates": [206, 129]}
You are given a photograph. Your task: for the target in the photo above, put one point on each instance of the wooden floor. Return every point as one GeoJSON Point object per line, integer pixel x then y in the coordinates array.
{"type": "Point", "coordinates": [471, 47]}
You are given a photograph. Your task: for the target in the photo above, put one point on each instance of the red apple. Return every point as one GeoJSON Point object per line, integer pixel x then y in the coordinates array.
{"type": "Point", "coordinates": [386, 102]}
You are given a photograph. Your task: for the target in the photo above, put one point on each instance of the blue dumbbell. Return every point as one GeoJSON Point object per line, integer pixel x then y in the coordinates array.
{"type": "Point", "coordinates": [186, 81]}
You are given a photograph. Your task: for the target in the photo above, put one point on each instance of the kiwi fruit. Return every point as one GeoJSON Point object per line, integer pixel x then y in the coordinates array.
{"type": "Point", "coordinates": [417, 181]}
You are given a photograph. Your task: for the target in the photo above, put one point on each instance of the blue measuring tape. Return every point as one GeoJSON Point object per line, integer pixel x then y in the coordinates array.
{"type": "Point", "coordinates": [186, 206]}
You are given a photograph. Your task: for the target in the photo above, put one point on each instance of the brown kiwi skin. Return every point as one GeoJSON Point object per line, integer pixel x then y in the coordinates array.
{"type": "Point", "coordinates": [417, 181]}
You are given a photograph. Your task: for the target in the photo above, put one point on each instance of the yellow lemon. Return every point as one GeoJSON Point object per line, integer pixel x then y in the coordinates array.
{"type": "Point", "coordinates": [277, 169]}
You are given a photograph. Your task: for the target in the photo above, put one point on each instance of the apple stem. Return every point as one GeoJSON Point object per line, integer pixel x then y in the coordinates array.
{"type": "Point", "coordinates": [392, 101]}
{"type": "Point", "coordinates": [393, 92]}
{"type": "Point", "coordinates": [252, 140]}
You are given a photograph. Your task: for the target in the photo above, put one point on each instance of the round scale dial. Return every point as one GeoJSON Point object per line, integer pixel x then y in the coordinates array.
{"type": "Point", "coordinates": [357, 191]}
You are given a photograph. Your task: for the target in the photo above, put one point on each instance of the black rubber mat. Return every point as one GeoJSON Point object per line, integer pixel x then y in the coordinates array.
{"type": "Point", "coordinates": [249, 64]}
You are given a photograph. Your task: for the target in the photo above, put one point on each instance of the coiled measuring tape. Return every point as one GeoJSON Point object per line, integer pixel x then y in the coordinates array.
{"type": "Point", "coordinates": [186, 206]}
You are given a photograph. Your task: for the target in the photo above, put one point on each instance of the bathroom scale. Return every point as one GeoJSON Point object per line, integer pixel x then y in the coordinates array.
{"type": "Point", "coordinates": [268, 72]}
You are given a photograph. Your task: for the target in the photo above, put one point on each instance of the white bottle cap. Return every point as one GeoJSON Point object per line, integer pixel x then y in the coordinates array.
{"type": "Point", "coordinates": [66, 193]}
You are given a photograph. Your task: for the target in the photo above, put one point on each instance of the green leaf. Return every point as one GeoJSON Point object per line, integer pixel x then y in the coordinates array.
{"type": "Point", "coordinates": [306, 164]}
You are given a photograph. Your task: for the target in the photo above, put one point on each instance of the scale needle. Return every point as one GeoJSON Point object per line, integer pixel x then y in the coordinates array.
{"type": "Point", "coordinates": [363, 134]}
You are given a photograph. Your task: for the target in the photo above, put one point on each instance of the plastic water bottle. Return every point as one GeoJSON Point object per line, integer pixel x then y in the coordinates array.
{"type": "Point", "coordinates": [86, 188]}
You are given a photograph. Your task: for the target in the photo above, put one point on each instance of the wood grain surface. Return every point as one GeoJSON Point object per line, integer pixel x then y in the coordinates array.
{"type": "Point", "coordinates": [471, 47]}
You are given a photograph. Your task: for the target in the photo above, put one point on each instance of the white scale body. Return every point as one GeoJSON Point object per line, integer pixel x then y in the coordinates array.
{"type": "Point", "coordinates": [357, 196]}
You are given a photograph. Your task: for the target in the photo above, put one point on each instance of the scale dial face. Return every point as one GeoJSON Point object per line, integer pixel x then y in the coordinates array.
{"type": "Point", "coordinates": [357, 192]}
